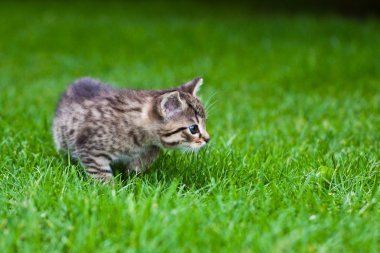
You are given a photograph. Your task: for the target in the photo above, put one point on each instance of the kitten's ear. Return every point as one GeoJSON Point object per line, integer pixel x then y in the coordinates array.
{"type": "Point", "coordinates": [192, 86]}
{"type": "Point", "coordinates": [171, 104]}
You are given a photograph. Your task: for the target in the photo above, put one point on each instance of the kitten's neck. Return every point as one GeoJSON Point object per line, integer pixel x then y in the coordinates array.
{"type": "Point", "coordinates": [150, 120]}
{"type": "Point", "coordinates": [142, 115]}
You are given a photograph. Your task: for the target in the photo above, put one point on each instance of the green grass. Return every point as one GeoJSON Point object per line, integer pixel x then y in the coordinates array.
{"type": "Point", "coordinates": [294, 117]}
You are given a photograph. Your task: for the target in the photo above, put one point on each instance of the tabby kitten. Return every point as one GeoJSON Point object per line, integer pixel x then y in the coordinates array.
{"type": "Point", "coordinates": [98, 124]}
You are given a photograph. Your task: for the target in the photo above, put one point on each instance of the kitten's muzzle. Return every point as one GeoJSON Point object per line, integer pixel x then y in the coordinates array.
{"type": "Point", "coordinates": [206, 137]}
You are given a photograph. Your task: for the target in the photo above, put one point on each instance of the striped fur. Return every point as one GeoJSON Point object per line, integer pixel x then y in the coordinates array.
{"type": "Point", "coordinates": [99, 124]}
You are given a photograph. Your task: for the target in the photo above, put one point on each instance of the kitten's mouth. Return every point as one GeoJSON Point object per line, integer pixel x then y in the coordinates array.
{"type": "Point", "coordinates": [197, 146]}
{"type": "Point", "coordinates": [190, 147]}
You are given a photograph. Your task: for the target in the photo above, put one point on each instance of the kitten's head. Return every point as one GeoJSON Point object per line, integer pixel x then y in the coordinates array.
{"type": "Point", "coordinates": [182, 117]}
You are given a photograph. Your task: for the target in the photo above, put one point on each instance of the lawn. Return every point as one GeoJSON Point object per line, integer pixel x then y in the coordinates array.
{"type": "Point", "coordinates": [293, 112]}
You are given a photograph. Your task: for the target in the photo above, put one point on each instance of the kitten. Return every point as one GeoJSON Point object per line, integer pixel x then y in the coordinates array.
{"type": "Point", "coordinates": [98, 124]}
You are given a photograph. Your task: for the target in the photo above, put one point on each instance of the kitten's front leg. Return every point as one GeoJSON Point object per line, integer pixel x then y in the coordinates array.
{"type": "Point", "coordinates": [97, 166]}
{"type": "Point", "coordinates": [144, 161]}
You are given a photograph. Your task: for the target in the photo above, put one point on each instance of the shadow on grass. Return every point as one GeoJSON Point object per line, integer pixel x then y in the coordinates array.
{"type": "Point", "coordinates": [191, 171]}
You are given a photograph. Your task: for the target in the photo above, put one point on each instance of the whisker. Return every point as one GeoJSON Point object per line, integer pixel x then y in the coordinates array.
{"type": "Point", "coordinates": [210, 102]}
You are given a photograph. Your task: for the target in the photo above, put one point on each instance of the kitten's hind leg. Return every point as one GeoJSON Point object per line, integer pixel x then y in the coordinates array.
{"type": "Point", "coordinates": [97, 166]}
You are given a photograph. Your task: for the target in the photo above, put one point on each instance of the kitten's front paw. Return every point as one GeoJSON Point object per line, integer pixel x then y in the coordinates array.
{"type": "Point", "coordinates": [105, 178]}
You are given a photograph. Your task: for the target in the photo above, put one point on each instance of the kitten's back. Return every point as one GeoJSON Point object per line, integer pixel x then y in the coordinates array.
{"type": "Point", "coordinates": [85, 88]}
{"type": "Point", "coordinates": [81, 90]}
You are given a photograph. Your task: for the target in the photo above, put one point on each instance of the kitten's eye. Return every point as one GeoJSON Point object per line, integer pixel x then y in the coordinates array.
{"type": "Point", "coordinates": [193, 129]}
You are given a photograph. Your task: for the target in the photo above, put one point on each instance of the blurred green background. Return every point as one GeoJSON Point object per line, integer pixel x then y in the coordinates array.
{"type": "Point", "coordinates": [293, 97]}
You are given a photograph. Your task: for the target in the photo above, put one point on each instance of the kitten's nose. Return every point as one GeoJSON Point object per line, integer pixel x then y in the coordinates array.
{"type": "Point", "coordinates": [206, 137]}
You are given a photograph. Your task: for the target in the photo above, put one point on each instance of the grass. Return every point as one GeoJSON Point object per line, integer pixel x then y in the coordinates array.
{"type": "Point", "coordinates": [294, 117]}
